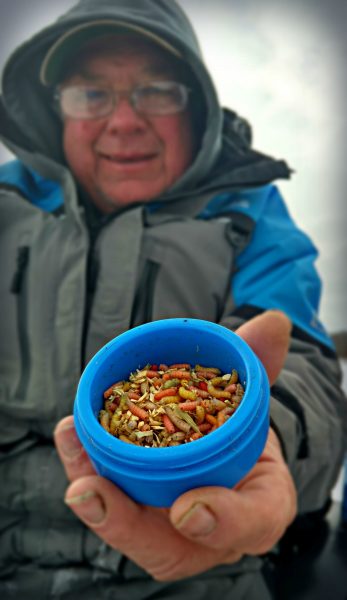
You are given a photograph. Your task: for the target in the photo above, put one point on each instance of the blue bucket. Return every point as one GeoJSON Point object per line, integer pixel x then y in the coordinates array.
{"type": "Point", "coordinates": [157, 476]}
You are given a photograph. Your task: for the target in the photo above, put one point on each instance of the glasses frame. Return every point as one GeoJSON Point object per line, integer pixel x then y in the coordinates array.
{"type": "Point", "coordinates": [116, 96]}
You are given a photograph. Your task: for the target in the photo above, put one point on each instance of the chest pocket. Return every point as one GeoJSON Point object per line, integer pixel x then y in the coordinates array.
{"type": "Point", "coordinates": [41, 296]}
{"type": "Point", "coordinates": [185, 271]}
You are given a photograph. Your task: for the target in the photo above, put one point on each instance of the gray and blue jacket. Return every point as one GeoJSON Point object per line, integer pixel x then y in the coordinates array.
{"type": "Point", "coordinates": [219, 245]}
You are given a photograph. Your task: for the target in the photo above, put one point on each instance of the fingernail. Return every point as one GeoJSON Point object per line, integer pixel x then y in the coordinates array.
{"type": "Point", "coordinates": [198, 521]}
{"type": "Point", "coordinates": [69, 443]}
{"type": "Point", "coordinates": [90, 506]}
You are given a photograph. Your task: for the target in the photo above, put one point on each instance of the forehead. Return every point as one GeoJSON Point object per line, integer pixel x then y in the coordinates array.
{"type": "Point", "coordinates": [121, 49]}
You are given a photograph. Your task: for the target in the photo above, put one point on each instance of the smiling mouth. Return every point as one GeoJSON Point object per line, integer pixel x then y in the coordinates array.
{"type": "Point", "coordinates": [128, 160]}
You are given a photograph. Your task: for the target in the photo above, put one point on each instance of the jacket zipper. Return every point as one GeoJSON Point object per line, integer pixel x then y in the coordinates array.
{"type": "Point", "coordinates": [18, 288]}
{"type": "Point", "coordinates": [142, 311]}
{"type": "Point", "coordinates": [91, 281]}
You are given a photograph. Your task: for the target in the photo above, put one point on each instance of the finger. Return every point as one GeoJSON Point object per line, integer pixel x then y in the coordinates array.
{"type": "Point", "coordinates": [71, 451]}
{"type": "Point", "coordinates": [245, 522]}
{"type": "Point", "coordinates": [142, 533]}
{"type": "Point", "coordinates": [268, 335]}
{"type": "Point", "coordinates": [248, 519]}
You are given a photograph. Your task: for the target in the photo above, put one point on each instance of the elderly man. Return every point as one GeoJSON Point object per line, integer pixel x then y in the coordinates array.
{"type": "Point", "coordinates": [135, 198]}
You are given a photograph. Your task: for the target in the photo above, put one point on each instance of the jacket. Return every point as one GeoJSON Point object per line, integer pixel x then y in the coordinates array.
{"type": "Point", "coordinates": [219, 245]}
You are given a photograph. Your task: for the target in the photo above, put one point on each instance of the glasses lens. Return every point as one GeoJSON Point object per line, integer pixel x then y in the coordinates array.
{"type": "Point", "coordinates": [85, 102]}
{"type": "Point", "coordinates": [92, 102]}
{"type": "Point", "coordinates": [161, 98]}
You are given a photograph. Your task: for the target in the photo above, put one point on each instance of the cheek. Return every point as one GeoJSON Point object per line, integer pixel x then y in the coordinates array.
{"type": "Point", "coordinates": [179, 145]}
{"type": "Point", "coordinates": [78, 140]}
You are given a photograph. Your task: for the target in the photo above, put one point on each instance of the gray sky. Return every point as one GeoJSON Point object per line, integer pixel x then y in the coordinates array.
{"type": "Point", "coordinates": [280, 65]}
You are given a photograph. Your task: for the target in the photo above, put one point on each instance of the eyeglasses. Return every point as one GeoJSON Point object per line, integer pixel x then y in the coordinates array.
{"type": "Point", "coordinates": [94, 101]}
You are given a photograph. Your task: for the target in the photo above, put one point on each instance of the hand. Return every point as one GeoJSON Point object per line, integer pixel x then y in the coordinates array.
{"type": "Point", "coordinates": [205, 526]}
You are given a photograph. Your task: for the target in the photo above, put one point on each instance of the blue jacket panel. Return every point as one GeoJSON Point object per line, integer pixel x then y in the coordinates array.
{"type": "Point", "coordinates": [43, 193]}
{"type": "Point", "coordinates": [277, 267]}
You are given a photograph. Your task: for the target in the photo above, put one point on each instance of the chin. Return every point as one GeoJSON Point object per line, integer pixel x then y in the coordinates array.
{"type": "Point", "coordinates": [109, 202]}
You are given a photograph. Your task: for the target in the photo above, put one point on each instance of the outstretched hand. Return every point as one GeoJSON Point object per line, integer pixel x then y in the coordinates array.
{"type": "Point", "coordinates": [210, 525]}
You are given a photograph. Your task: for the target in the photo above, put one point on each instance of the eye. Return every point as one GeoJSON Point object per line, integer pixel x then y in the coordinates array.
{"type": "Point", "coordinates": [84, 101]}
{"type": "Point", "coordinates": [94, 95]}
{"type": "Point", "coordinates": [162, 97]}
{"type": "Point", "coordinates": [93, 101]}
{"type": "Point", "coordinates": [158, 91]}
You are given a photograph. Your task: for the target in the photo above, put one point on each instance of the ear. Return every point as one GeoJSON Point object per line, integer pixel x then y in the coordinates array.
{"type": "Point", "coordinates": [268, 335]}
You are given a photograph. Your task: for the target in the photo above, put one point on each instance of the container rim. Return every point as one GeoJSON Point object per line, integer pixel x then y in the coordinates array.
{"type": "Point", "coordinates": [202, 448]}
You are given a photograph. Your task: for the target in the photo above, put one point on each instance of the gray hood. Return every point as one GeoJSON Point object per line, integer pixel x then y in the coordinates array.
{"type": "Point", "coordinates": [27, 103]}
{"type": "Point", "coordinates": [29, 124]}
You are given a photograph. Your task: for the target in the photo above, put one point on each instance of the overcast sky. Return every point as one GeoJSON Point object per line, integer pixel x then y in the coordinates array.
{"type": "Point", "coordinates": [280, 65]}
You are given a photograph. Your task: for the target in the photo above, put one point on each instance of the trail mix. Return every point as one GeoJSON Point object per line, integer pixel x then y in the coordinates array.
{"type": "Point", "coordinates": [163, 405]}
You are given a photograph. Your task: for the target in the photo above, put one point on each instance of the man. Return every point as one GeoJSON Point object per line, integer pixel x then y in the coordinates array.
{"type": "Point", "coordinates": [135, 198]}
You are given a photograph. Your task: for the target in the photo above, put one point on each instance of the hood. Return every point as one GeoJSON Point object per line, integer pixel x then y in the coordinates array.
{"type": "Point", "coordinates": [29, 122]}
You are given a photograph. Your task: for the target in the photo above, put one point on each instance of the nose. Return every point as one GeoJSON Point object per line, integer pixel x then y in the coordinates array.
{"type": "Point", "coordinates": [124, 118]}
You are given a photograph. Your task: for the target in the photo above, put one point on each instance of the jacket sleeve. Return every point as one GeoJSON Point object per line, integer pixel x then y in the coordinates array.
{"type": "Point", "coordinates": [308, 407]}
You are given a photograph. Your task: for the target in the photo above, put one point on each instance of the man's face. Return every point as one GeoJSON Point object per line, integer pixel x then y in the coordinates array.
{"type": "Point", "coordinates": [127, 157]}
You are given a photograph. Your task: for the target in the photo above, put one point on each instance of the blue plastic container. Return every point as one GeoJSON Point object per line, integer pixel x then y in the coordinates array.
{"type": "Point", "coordinates": [157, 476]}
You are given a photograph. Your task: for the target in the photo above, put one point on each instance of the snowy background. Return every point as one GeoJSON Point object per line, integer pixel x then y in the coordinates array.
{"type": "Point", "coordinates": [280, 65]}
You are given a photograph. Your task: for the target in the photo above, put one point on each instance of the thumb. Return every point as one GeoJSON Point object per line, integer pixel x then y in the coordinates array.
{"type": "Point", "coordinates": [268, 335]}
